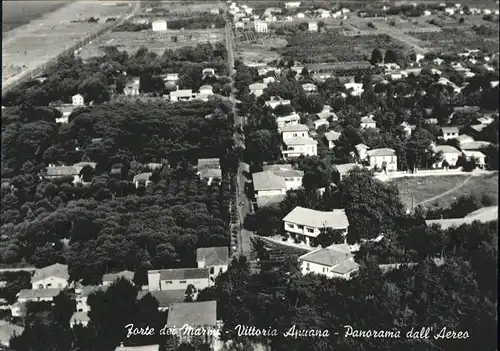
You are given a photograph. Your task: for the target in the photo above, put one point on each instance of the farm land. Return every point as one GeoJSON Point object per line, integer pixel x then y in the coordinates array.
{"type": "Point", "coordinates": [31, 45]}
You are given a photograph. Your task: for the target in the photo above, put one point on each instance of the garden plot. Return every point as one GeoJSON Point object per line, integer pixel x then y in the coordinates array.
{"type": "Point", "coordinates": [156, 42]}
{"type": "Point", "coordinates": [457, 40]}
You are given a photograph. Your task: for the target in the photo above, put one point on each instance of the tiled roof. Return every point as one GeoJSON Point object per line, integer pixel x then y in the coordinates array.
{"type": "Point", "coordinates": [327, 256]}
{"type": "Point", "coordinates": [344, 267]}
{"type": "Point", "coordinates": [295, 128]}
{"type": "Point", "coordinates": [332, 135]}
{"type": "Point", "coordinates": [182, 273]}
{"type": "Point", "coordinates": [110, 277]}
{"type": "Point", "coordinates": [268, 200]}
{"type": "Point", "coordinates": [142, 177]}
{"type": "Point", "coordinates": [213, 256]}
{"type": "Point", "coordinates": [56, 270]}
{"type": "Point", "coordinates": [210, 173]}
{"type": "Point", "coordinates": [446, 149]}
{"type": "Point", "coordinates": [343, 169]}
{"type": "Point", "coordinates": [267, 180]}
{"type": "Point", "coordinates": [335, 219]}
{"type": "Point", "coordinates": [473, 153]}
{"type": "Point", "coordinates": [478, 127]}
{"type": "Point", "coordinates": [38, 293]}
{"type": "Point", "coordinates": [300, 141]}
{"type": "Point", "coordinates": [381, 152]}
{"type": "Point", "coordinates": [166, 297]}
{"type": "Point", "coordinates": [448, 130]}
{"type": "Point", "coordinates": [208, 163]}
{"type": "Point", "coordinates": [474, 145]}
{"type": "Point", "coordinates": [464, 138]}
{"type": "Point", "coordinates": [63, 171]}
{"type": "Point", "coordinates": [182, 93]}
{"type": "Point", "coordinates": [90, 289]}
{"type": "Point", "coordinates": [192, 314]}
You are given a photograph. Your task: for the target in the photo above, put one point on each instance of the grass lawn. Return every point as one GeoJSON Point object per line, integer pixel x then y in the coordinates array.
{"type": "Point", "coordinates": [422, 188]}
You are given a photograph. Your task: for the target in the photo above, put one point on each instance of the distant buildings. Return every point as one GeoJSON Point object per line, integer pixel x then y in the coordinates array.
{"type": "Point", "coordinates": [257, 89]}
{"type": "Point", "coordinates": [448, 133]}
{"type": "Point", "coordinates": [209, 169]}
{"type": "Point", "coordinates": [132, 88]}
{"type": "Point", "coordinates": [179, 279]}
{"type": "Point", "coordinates": [50, 277]}
{"type": "Point", "coordinates": [356, 89]}
{"type": "Point", "coordinates": [331, 137]}
{"type": "Point", "coordinates": [260, 26]}
{"type": "Point", "coordinates": [296, 141]}
{"type": "Point", "coordinates": [368, 122]}
{"type": "Point", "coordinates": [182, 95]}
{"type": "Point", "coordinates": [292, 119]}
{"type": "Point", "coordinates": [110, 278]}
{"type": "Point", "coordinates": [78, 100]}
{"type": "Point", "coordinates": [292, 4]}
{"type": "Point", "coordinates": [384, 159]}
{"type": "Point", "coordinates": [159, 26]}
{"type": "Point", "coordinates": [312, 26]}
{"type": "Point", "coordinates": [450, 155]}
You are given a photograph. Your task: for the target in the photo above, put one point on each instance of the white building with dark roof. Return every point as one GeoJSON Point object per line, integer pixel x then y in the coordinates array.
{"type": "Point", "coordinates": [182, 95]}
{"type": "Point", "coordinates": [296, 142]}
{"type": "Point", "coordinates": [214, 258]}
{"type": "Point", "coordinates": [272, 184]}
{"type": "Point", "coordinates": [77, 100]}
{"type": "Point", "coordinates": [305, 224]}
{"type": "Point", "coordinates": [276, 101]}
{"type": "Point", "coordinates": [450, 154]}
{"type": "Point", "coordinates": [178, 279]}
{"type": "Point", "coordinates": [448, 133]}
{"type": "Point", "coordinates": [335, 261]}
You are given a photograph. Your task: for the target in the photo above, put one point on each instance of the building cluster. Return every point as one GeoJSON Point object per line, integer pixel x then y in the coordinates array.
{"type": "Point", "coordinates": [169, 287]}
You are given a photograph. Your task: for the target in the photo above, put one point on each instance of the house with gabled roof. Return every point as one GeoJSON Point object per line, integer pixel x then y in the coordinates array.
{"type": "Point", "coordinates": [165, 298]}
{"type": "Point", "coordinates": [361, 150]}
{"type": "Point", "coordinates": [448, 133]}
{"type": "Point", "coordinates": [346, 167]}
{"type": "Point", "coordinates": [331, 137]}
{"type": "Point", "coordinates": [142, 178]}
{"type": "Point", "coordinates": [335, 261]}
{"type": "Point", "coordinates": [383, 158]}
{"type": "Point", "coordinates": [79, 318]}
{"type": "Point", "coordinates": [32, 295]}
{"type": "Point", "coordinates": [275, 101]}
{"type": "Point", "coordinates": [214, 258]}
{"type": "Point", "coordinates": [292, 119]}
{"type": "Point", "coordinates": [257, 89]}
{"type": "Point", "coordinates": [110, 278]}
{"type": "Point", "coordinates": [368, 122]}
{"type": "Point", "coordinates": [305, 224]}
{"type": "Point", "coordinates": [464, 138]}
{"type": "Point", "coordinates": [182, 95]}
{"type": "Point", "coordinates": [474, 145]}
{"type": "Point", "coordinates": [296, 141]}
{"type": "Point", "coordinates": [450, 155]}
{"type": "Point", "coordinates": [51, 277]}
{"type": "Point", "coordinates": [179, 278]}
{"type": "Point", "coordinates": [272, 184]}
{"type": "Point", "coordinates": [55, 172]}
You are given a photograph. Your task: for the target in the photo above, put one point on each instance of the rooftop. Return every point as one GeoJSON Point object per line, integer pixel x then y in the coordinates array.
{"type": "Point", "coordinates": [182, 273]}
{"type": "Point", "coordinates": [38, 293]}
{"type": "Point", "coordinates": [446, 149]}
{"type": "Point", "coordinates": [344, 168]}
{"type": "Point", "coordinates": [335, 219]}
{"type": "Point", "coordinates": [295, 128]}
{"type": "Point", "coordinates": [192, 314]}
{"type": "Point", "coordinates": [56, 270]}
{"type": "Point", "coordinates": [257, 86]}
{"type": "Point", "coordinates": [62, 171]}
{"type": "Point", "coordinates": [213, 256]}
{"type": "Point", "coordinates": [165, 297]}
{"type": "Point", "coordinates": [332, 135]}
{"type": "Point", "coordinates": [361, 146]}
{"type": "Point", "coordinates": [182, 93]}
{"type": "Point", "coordinates": [367, 119]}
{"type": "Point", "coordinates": [449, 130]}
{"type": "Point", "coordinates": [382, 152]}
{"type": "Point", "coordinates": [113, 276]}
{"type": "Point", "coordinates": [79, 317]}
{"type": "Point", "coordinates": [267, 200]}
{"type": "Point", "coordinates": [208, 163]}
{"type": "Point", "coordinates": [328, 256]}
{"type": "Point", "coordinates": [267, 180]}
{"type": "Point", "coordinates": [210, 173]}
{"type": "Point", "coordinates": [474, 145]}
{"type": "Point", "coordinates": [144, 177]}
{"type": "Point", "coordinates": [300, 141]}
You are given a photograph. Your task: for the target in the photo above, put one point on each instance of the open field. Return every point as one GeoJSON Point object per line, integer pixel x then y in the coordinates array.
{"type": "Point", "coordinates": [19, 13]}
{"type": "Point", "coordinates": [31, 45]}
{"type": "Point", "coordinates": [180, 8]}
{"type": "Point", "coordinates": [423, 188]}
{"type": "Point", "coordinates": [258, 47]}
{"type": "Point", "coordinates": [335, 47]}
{"type": "Point", "coordinates": [456, 40]}
{"type": "Point", "coordinates": [155, 41]}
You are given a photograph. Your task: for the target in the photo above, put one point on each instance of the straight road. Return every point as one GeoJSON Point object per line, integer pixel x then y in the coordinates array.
{"type": "Point", "coordinates": [243, 238]}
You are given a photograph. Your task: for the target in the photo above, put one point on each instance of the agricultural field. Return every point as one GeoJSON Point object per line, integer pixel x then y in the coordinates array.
{"type": "Point", "coordinates": [335, 47]}
{"type": "Point", "coordinates": [156, 42]}
{"type": "Point", "coordinates": [179, 8]}
{"type": "Point", "coordinates": [31, 45]}
{"type": "Point", "coordinates": [457, 40]}
{"type": "Point", "coordinates": [258, 47]}
{"type": "Point", "coordinates": [424, 188]}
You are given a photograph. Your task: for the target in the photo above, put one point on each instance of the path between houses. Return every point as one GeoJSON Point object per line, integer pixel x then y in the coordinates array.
{"type": "Point", "coordinates": [445, 193]}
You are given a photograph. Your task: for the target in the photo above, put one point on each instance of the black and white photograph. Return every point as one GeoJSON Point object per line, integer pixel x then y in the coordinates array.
{"type": "Point", "coordinates": [195, 175]}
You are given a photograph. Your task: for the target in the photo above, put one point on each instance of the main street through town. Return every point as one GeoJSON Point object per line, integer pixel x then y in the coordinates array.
{"type": "Point", "coordinates": [243, 242]}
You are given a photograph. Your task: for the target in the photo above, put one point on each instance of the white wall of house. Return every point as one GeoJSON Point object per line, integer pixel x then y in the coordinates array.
{"type": "Point", "coordinates": [448, 136]}
{"type": "Point", "coordinates": [293, 183]}
{"type": "Point", "coordinates": [84, 323]}
{"type": "Point", "coordinates": [297, 150]}
{"type": "Point", "coordinates": [291, 135]}
{"type": "Point", "coordinates": [34, 299]}
{"type": "Point", "coordinates": [391, 162]}
{"type": "Point", "coordinates": [316, 268]}
{"type": "Point", "coordinates": [308, 232]}
{"type": "Point", "coordinates": [272, 192]}
{"type": "Point", "coordinates": [49, 283]}
{"type": "Point", "coordinates": [81, 304]}
{"type": "Point", "coordinates": [451, 158]}
{"type": "Point", "coordinates": [77, 100]}
{"type": "Point", "coordinates": [156, 284]}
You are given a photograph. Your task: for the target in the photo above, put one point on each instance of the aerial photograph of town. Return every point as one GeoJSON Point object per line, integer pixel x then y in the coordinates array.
{"type": "Point", "coordinates": [192, 175]}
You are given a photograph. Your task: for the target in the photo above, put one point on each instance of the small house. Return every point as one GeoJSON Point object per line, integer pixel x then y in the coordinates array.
{"type": "Point", "coordinates": [384, 159]}
{"type": "Point", "coordinates": [78, 100]}
{"type": "Point", "coordinates": [214, 258]}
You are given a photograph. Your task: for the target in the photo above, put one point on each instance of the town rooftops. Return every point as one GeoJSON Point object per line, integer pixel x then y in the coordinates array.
{"type": "Point", "coordinates": [38, 293]}
{"type": "Point", "coordinates": [345, 267]}
{"type": "Point", "coordinates": [473, 153]}
{"type": "Point", "coordinates": [332, 135]}
{"type": "Point", "coordinates": [381, 152]}
{"type": "Point", "coordinates": [479, 127]}
{"type": "Point", "coordinates": [182, 273]}
{"type": "Point", "coordinates": [60, 171]}
{"type": "Point", "coordinates": [213, 256]}
{"type": "Point", "coordinates": [110, 277]}
{"type": "Point", "coordinates": [164, 297]}
{"type": "Point", "coordinates": [84, 164]}
{"type": "Point", "coordinates": [300, 141]}
{"type": "Point", "coordinates": [335, 219]}
{"type": "Point", "coordinates": [464, 138]}
{"type": "Point", "coordinates": [90, 289]}
{"type": "Point", "coordinates": [295, 128]}
{"type": "Point", "coordinates": [210, 173]}
{"type": "Point", "coordinates": [206, 87]}
{"type": "Point", "coordinates": [446, 149]}
{"type": "Point", "coordinates": [267, 180]}
{"type": "Point", "coordinates": [449, 130]}
{"type": "Point", "coordinates": [192, 314]}
{"type": "Point", "coordinates": [474, 145]}
{"type": "Point", "coordinates": [55, 270]}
